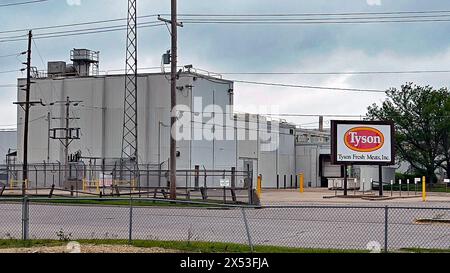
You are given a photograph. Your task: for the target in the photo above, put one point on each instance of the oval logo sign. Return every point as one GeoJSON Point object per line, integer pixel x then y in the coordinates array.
{"type": "Point", "coordinates": [364, 139]}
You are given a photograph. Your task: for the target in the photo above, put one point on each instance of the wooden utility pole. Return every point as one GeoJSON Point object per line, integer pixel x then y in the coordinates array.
{"type": "Point", "coordinates": [66, 140]}
{"type": "Point", "coordinates": [27, 116]}
{"type": "Point", "coordinates": [173, 102]}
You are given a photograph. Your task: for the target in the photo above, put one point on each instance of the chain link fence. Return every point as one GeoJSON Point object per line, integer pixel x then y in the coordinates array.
{"type": "Point", "coordinates": [79, 179]}
{"type": "Point", "coordinates": [308, 227]}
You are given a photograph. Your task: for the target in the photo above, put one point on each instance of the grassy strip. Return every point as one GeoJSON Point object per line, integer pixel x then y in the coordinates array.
{"type": "Point", "coordinates": [14, 243]}
{"type": "Point", "coordinates": [190, 247]}
{"type": "Point", "coordinates": [425, 250]}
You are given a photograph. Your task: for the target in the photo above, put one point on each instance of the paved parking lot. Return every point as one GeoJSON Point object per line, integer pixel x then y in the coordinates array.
{"type": "Point", "coordinates": [316, 195]}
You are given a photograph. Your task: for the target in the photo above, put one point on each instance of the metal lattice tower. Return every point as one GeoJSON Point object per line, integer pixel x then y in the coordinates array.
{"type": "Point", "coordinates": [129, 140]}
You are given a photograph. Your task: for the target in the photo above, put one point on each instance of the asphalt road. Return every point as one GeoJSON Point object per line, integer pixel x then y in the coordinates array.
{"type": "Point", "coordinates": [312, 226]}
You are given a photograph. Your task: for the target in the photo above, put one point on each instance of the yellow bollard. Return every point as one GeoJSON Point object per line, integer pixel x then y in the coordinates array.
{"type": "Point", "coordinates": [424, 191]}
{"type": "Point", "coordinates": [302, 181]}
{"type": "Point", "coordinates": [97, 185]}
{"type": "Point", "coordinates": [258, 186]}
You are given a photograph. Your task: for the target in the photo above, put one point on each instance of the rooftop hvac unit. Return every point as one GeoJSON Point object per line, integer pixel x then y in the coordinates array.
{"type": "Point", "coordinates": [56, 68]}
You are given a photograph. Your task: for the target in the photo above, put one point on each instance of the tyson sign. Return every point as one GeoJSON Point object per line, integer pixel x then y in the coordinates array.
{"type": "Point", "coordinates": [362, 142]}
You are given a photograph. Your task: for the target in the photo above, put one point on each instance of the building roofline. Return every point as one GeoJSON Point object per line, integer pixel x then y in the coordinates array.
{"type": "Point", "coordinates": [210, 77]}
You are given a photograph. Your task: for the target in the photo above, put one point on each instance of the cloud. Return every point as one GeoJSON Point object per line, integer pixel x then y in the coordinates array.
{"type": "Point", "coordinates": [73, 2]}
{"type": "Point", "coordinates": [374, 2]}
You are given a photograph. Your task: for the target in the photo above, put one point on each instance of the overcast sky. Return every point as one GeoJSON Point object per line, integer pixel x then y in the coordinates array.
{"type": "Point", "coordinates": [251, 48]}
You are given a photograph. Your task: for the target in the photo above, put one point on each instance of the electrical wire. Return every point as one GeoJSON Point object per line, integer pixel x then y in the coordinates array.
{"type": "Point", "coordinates": [310, 23]}
{"type": "Point", "coordinates": [315, 14]}
{"type": "Point", "coordinates": [75, 24]}
{"type": "Point", "coordinates": [78, 33]}
{"type": "Point", "coordinates": [22, 3]}
{"type": "Point", "coordinates": [9, 71]}
{"type": "Point", "coordinates": [310, 86]}
{"type": "Point", "coordinates": [35, 35]}
{"type": "Point", "coordinates": [11, 55]}
{"type": "Point", "coordinates": [210, 17]}
{"type": "Point", "coordinates": [336, 72]}
{"type": "Point", "coordinates": [21, 123]}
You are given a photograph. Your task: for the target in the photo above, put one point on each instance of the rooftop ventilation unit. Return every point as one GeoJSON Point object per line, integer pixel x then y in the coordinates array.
{"type": "Point", "coordinates": [85, 61]}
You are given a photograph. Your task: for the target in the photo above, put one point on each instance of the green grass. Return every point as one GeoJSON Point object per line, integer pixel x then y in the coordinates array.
{"type": "Point", "coordinates": [425, 250]}
{"type": "Point", "coordinates": [190, 247]}
{"type": "Point", "coordinates": [14, 243]}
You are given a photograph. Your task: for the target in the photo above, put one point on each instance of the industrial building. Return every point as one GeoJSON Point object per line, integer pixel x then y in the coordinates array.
{"type": "Point", "coordinates": [276, 150]}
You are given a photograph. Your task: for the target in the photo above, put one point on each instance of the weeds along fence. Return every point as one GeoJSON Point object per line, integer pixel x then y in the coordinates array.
{"type": "Point", "coordinates": [355, 228]}
{"type": "Point", "coordinates": [81, 180]}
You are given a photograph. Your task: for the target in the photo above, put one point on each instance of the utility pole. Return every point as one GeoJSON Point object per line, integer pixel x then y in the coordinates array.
{"type": "Point", "coordinates": [66, 144]}
{"type": "Point", "coordinates": [27, 116]}
{"type": "Point", "coordinates": [48, 139]}
{"type": "Point", "coordinates": [173, 103]}
{"type": "Point", "coordinates": [69, 134]}
{"type": "Point", "coordinates": [173, 96]}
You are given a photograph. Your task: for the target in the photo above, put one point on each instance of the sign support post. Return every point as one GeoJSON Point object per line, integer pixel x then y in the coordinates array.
{"type": "Point", "coordinates": [345, 179]}
{"type": "Point", "coordinates": [363, 143]}
{"type": "Point", "coordinates": [380, 179]}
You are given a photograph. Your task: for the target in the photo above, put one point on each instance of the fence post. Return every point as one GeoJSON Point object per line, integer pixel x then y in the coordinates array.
{"type": "Point", "coordinates": [250, 187]}
{"type": "Point", "coordinates": [386, 220]}
{"type": "Point", "coordinates": [130, 224]}
{"type": "Point", "coordinates": [247, 229]}
{"type": "Point", "coordinates": [25, 218]}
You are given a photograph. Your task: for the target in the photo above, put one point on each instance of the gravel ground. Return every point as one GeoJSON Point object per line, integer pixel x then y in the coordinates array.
{"type": "Point", "coordinates": [90, 249]}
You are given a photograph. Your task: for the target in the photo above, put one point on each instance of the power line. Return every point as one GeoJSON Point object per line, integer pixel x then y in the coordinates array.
{"type": "Point", "coordinates": [303, 22]}
{"type": "Point", "coordinates": [12, 55]}
{"type": "Point", "coordinates": [80, 33]}
{"type": "Point", "coordinates": [272, 18]}
{"type": "Point", "coordinates": [317, 14]}
{"type": "Point", "coordinates": [336, 73]}
{"type": "Point", "coordinates": [79, 30]}
{"type": "Point", "coordinates": [20, 123]}
{"type": "Point", "coordinates": [75, 24]}
{"type": "Point", "coordinates": [310, 86]}
{"type": "Point", "coordinates": [439, 14]}
{"type": "Point", "coordinates": [9, 71]}
{"type": "Point", "coordinates": [22, 3]}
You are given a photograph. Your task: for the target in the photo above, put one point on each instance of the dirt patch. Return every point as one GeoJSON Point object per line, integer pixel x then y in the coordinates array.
{"type": "Point", "coordinates": [89, 249]}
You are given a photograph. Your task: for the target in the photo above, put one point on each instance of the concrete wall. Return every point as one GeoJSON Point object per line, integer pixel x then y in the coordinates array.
{"type": "Point", "coordinates": [307, 162]}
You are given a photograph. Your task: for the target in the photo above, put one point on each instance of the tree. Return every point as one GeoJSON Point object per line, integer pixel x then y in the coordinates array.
{"type": "Point", "coordinates": [422, 123]}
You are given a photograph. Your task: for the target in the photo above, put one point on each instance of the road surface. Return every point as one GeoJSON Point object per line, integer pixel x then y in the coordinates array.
{"type": "Point", "coordinates": [312, 226]}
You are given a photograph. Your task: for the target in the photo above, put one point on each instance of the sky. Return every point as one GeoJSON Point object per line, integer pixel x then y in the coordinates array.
{"type": "Point", "coordinates": [249, 48]}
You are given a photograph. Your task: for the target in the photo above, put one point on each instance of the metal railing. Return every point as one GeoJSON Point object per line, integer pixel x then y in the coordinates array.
{"type": "Point", "coordinates": [379, 228]}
